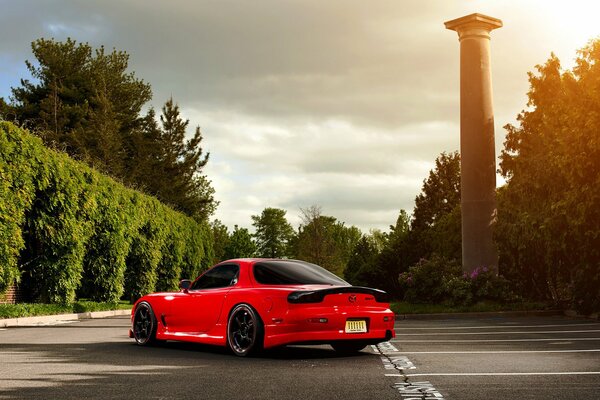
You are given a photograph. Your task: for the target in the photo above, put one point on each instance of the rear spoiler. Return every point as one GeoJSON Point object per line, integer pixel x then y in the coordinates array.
{"type": "Point", "coordinates": [317, 296]}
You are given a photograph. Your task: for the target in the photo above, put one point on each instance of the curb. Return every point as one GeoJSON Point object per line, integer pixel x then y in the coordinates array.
{"type": "Point", "coordinates": [48, 319]}
{"type": "Point", "coordinates": [490, 314]}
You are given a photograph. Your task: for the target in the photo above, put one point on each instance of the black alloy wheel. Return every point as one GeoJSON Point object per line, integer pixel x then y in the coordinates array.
{"type": "Point", "coordinates": [244, 331]}
{"type": "Point", "coordinates": [349, 347]}
{"type": "Point", "coordinates": [144, 325]}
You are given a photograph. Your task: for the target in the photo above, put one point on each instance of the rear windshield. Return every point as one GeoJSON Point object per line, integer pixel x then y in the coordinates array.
{"type": "Point", "coordinates": [284, 272]}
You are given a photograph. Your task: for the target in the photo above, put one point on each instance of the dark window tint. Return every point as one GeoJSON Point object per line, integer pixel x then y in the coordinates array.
{"type": "Point", "coordinates": [221, 276]}
{"type": "Point", "coordinates": [294, 273]}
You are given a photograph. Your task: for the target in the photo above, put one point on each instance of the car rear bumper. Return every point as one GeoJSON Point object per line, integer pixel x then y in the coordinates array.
{"type": "Point", "coordinates": [307, 325]}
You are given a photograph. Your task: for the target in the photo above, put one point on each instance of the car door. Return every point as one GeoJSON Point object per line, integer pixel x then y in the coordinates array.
{"type": "Point", "coordinates": [197, 310]}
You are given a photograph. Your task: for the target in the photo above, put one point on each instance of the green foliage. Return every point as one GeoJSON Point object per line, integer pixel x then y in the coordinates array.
{"type": "Point", "coordinates": [549, 211]}
{"type": "Point", "coordinates": [362, 268]}
{"type": "Point", "coordinates": [240, 244]}
{"type": "Point", "coordinates": [35, 309]}
{"type": "Point", "coordinates": [325, 241]}
{"type": "Point", "coordinates": [109, 245]}
{"type": "Point", "coordinates": [85, 102]}
{"type": "Point", "coordinates": [433, 231]}
{"type": "Point", "coordinates": [19, 162]}
{"type": "Point", "coordinates": [436, 220]}
{"type": "Point", "coordinates": [221, 239]}
{"type": "Point", "coordinates": [58, 227]}
{"type": "Point", "coordinates": [66, 229]}
{"type": "Point", "coordinates": [439, 280]}
{"type": "Point", "coordinates": [168, 166]}
{"type": "Point", "coordinates": [146, 250]}
{"type": "Point", "coordinates": [425, 281]}
{"type": "Point", "coordinates": [395, 257]}
{"type": "Point", "coordinates": [273, 233]}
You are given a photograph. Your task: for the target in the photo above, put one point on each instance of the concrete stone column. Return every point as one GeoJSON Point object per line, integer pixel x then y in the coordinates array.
{"type": "Point", "coordinates": [477, 147]}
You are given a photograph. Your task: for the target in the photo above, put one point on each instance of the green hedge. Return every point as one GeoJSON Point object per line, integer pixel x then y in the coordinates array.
{"type": "Point", "coordinates": [67, 230]}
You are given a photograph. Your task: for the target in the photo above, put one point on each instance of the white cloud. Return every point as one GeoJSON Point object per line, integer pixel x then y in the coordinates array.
{"type": "Point", "coordinates": [343, 103]}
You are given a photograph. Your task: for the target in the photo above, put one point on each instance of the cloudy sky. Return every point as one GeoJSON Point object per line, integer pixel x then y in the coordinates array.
{"type": "Point", "coordinates": [339, 103]}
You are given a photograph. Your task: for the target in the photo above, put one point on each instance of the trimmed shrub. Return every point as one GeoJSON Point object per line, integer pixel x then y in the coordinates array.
{"type": "Point", "coordinates": [104, 264]}
{"type": "Point", "coordinates": [67, 230]}
{"type": "Point", "coordinates": [17, 191]}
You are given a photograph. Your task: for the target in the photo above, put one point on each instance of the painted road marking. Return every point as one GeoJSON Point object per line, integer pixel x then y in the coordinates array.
{"type": "Point", "coordinates": [499, 326]}
{"type": "Point", "coordinates": [496, 373]}
{"type": "Point", "coordinates": [386, 347]}
{"type": "Point", "coordinates": [491, 340]}
{"type": "Point", "coordinates": [397, 362]}
{"type": "Point", "coordinates": [408, 390]}
{"type": "Point", "coordinates": [502, 352]}
{"type": "Point", "coordinates": [417, 390]}
{"type": "Point", "coordinates": [496, 333]}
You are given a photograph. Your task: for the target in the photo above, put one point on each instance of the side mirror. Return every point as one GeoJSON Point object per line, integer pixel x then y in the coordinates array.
{"type": "Point", "coordinates": [185, 284]}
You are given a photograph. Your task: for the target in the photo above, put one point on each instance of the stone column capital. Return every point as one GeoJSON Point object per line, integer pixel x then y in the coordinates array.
{"type": "Point", "coordinates": [473, 26]}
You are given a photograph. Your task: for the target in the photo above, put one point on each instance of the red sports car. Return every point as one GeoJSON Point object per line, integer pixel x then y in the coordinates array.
{"type": "Point", "coordinates": [251, 304]}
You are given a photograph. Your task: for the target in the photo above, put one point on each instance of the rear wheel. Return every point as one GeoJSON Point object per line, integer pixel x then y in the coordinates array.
{"type": "Point", "coordinates": [144, 325]}
{"type": "Point", "coordinates": [348, 347]}
{"type": "Point", "coordinates": [244, 331]}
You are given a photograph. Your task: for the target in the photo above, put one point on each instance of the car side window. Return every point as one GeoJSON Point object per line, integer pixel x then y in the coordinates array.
{"type": "Point", "coordinates": [220, 276]}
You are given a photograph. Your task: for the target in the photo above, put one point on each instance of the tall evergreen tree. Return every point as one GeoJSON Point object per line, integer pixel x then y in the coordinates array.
{"type": "Point", "coordinates": [86, 102]}
{"type": "Point", "coordinates": [273, 233]}
{"type": "Point", "coordinates": [83, 101]}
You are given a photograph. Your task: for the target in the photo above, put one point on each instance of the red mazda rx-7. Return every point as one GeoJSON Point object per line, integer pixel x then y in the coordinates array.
{"type": "Point", "coordinates": [253, 304]}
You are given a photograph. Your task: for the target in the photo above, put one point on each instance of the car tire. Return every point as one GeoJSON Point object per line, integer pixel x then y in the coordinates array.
{"type": "Point", "coordinates": [348, 347]}
{"type": "Point", "coordinates": [144, 325]}
{"type": "Point", "coordinates": [245, 331]}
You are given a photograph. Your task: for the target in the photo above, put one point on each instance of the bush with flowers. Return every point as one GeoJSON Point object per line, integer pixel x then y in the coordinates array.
{"type": "Point", "coordinates": [439, 280]}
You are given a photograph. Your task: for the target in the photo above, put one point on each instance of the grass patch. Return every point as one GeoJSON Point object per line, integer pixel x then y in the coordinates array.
{"type": "Point", "coordinates": [402, 307]}
{"type": "Point", "coordinates": [37, 309]}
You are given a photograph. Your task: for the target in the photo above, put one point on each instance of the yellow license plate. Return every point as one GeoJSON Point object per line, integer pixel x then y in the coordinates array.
{"type": "Point", "coordinates": [356, 326]}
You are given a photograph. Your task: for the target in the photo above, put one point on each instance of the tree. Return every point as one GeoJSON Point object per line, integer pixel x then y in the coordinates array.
{"type": "Point", "coordinates": [440, 193]}
{"type": "Point", "coordinates": [549, 210]}
{"type": "Point", "coordinates": [273, 233]}
{"type": "Point", "coordinates": [325, 241]}
{"type": "Point", "coordinates": [220, 240]}
{"type": "Point", "coordinates": [436, 221]}
{"type": "Point", "coordinates": [4, 110]}
{"type": "Point", "coordinates": [84, 101]}
{"type": "Point", "coordinates": [363, 268]}
{"type": "Point", "coordinates": [396, 256]}
{"type": "Point", "coordinates": [170, 167]}
{"type": "Point", "coordinates": [240, 244]}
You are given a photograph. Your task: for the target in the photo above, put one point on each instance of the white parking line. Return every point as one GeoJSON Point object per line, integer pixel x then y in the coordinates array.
{"type": "Point", "coordinates": [497, 373]}
{"type": "Point", "coordinates": [495, 333]}
{"type": "Point", "coordinates": [491, 340]}
{"type": "Point", "coordinates": [502, 352]}
{"type": "Point", "coordinates": [498, 326]}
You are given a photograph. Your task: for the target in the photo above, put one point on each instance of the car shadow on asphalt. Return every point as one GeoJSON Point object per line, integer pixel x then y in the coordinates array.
{"type": "Point", "coordinates": [278, 353]}
{"type": "Point", "coordinates": [113, 369]}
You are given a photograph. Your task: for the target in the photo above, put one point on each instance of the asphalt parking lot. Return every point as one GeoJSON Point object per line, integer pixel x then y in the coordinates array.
{"type": "Point", "coordinates": [468, 358]}
{"type": "Point", "coordinates": [498, 358]}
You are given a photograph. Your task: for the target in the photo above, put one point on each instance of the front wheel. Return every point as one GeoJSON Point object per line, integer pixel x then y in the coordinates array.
{"type": "Point", "coordinates": [348, 347]}
{"type": "Point", "coordinates": [144, 325]}
{"type": "Point", "coordinates": [244, 331]}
